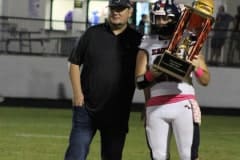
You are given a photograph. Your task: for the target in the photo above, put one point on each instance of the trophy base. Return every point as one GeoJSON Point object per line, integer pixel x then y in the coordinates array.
{"type": "Point", "coordinates": [174, 67]}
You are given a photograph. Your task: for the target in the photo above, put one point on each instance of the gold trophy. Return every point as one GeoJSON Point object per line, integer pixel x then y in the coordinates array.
{"type": "Point", "coordinates": [190, 33]}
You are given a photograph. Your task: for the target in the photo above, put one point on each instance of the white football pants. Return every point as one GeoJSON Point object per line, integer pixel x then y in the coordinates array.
{"type": "Point", "coordinates": [161, 121]}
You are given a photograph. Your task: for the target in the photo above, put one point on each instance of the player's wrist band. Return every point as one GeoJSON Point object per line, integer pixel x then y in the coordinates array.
{"type": "Point", "coordinates": [149, 76]}
{"type": "Point", "coordinates": [199, 72]}
{"type": "Point", "coordinates": [145, 80]}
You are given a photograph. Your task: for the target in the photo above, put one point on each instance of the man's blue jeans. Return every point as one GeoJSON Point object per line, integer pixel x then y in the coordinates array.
{"type": "Point", "coordinates": [82, 133]}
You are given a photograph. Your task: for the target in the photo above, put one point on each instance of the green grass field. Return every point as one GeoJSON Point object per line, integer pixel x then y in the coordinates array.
{"type": "Point", "coordinates": [42, 134]}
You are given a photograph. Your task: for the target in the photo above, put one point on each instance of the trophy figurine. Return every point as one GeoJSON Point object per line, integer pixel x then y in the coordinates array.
{"type": "Point", "coordinates": [190, 33]}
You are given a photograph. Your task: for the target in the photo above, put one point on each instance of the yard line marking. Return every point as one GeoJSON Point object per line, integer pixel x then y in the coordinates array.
{"type": "Point", "coordinates": [222, 132]}
{"type": "Point", "coordinates": [26, 135]}
{"type": "Point", "coordinates": [40, 136]}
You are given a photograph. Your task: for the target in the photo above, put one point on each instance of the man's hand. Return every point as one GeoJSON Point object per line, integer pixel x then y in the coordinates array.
{"type": "Point", "coordinates": [78, 101]}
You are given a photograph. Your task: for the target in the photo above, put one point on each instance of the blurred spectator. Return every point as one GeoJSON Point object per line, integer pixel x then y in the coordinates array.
{"type": "Point", "coordinates": [141, 25]}
{"type": "Point", "coordinates": [95, 18]}
{"type": "Point", "coordinates": [220, 29]}
{"type": "Point", "coordinates": [234, 44]}
{"type": "Point", "coordinates": [68, 20]}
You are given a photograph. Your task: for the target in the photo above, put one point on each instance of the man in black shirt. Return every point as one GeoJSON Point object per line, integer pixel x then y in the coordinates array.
{"type": "Point", "coordinates": [103, 88]}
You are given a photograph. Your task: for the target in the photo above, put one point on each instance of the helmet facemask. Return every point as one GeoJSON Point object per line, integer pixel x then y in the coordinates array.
{"type": "Point", "coordinates": [164, 17]}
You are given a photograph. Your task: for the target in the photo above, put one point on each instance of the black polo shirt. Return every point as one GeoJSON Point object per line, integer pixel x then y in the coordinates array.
{"type": "Point", "coordinates": [107, 76]}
